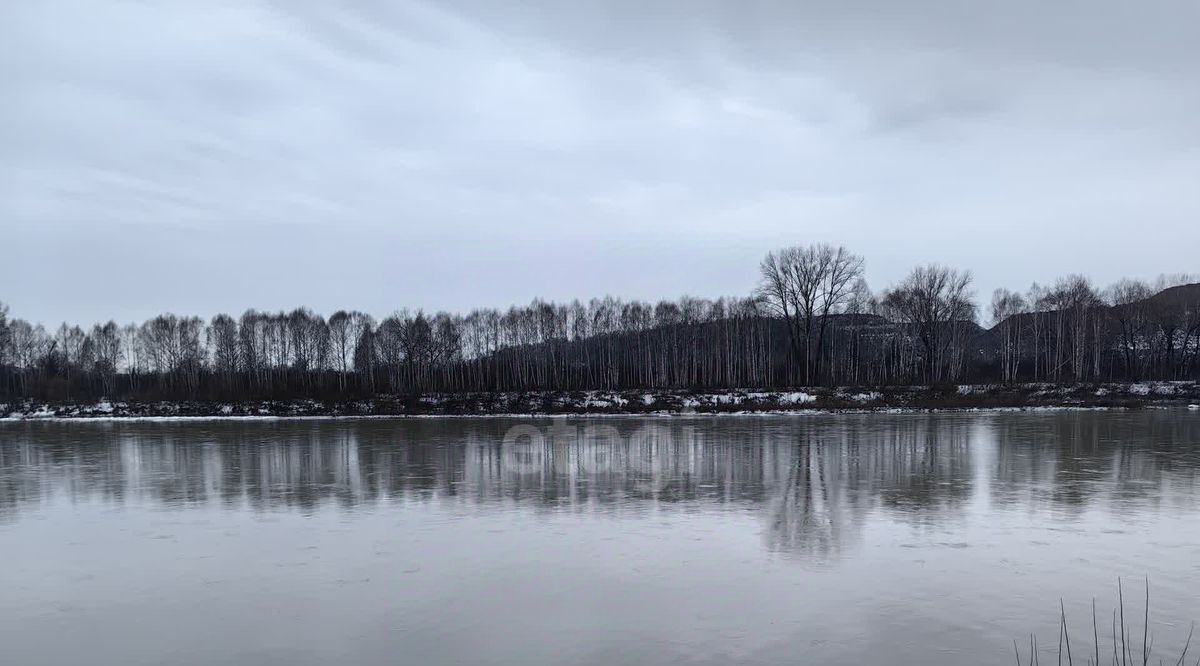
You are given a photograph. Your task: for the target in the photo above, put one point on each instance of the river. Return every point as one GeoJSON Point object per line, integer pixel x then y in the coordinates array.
{"type": "Point", "coordinates": [834, 539]}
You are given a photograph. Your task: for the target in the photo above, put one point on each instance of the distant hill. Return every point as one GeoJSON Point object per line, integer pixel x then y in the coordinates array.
{"type": "Point", "coordinates": [1178, 298]}
{"type": "Point", "coordinates": [1147, 332]}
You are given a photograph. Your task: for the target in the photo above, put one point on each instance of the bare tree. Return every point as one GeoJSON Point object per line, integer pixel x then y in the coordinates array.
{"type": "Point", "coordinates": [6, 353]}
{"type": "Point", "coordinates": [341, 340]}
{"type": "Point", "coordinates": [804, 285]}
{"type": "Point", "coordinates": [1007, 306]}
{"type": "Point", "coordinates": [935, 301]}
{"type": "Point", "coordinates": [107, 354]}
{"type": "Point", "coordinates": [1128, 299]}
{"type": "Point", "coordinates": [222, 336]}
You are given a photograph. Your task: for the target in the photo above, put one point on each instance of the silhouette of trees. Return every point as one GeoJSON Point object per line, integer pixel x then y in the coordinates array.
{"type": "Point", "coordinates": [812, 320]}
{"type": "Point", "coordinates": [935, 302]}
{"type": "Point", "coordinates": [804, 286]}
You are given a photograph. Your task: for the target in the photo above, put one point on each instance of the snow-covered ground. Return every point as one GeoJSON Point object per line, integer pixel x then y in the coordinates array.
{"type": "Point", "coordinates": [815, 399]}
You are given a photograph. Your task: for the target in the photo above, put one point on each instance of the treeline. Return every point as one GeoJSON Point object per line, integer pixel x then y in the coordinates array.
{"type": "Point", "coordinates": [812, 321]}
{"type": "Point", "coordinates": [1072, 331]}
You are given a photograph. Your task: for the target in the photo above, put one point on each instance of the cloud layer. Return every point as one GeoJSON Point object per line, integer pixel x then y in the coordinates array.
{"type": "Point", "coordinates": [213, 156]}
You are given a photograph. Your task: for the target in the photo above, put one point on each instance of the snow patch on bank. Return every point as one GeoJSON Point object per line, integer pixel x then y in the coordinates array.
{"type": "Point", "coordinates": [641, 402]}
{"type": "Point", "coordinates": [796, 398]}
{"type": "Point", "coordinates": [1163, 389]}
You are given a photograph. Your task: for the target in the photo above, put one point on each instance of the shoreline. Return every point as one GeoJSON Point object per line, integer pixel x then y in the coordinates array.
{"type": "Point", "coordinates": [587, 404]}
{"type": "Point", "coordinates": [813, 412]}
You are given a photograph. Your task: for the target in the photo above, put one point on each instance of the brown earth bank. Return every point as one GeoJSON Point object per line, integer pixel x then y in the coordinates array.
{"type": "Point", "coordinates": [811, 399]}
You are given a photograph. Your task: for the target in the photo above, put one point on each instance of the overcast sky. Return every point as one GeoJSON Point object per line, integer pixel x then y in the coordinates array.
{"type": "Point", "coordinates": [209, 156]}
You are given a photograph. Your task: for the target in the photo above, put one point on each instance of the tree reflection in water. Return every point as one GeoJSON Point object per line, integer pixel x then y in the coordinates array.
{"type": "Point", "coordinates": [812, 479]}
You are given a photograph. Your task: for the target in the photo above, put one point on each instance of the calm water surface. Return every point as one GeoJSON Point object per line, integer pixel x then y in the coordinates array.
{"type": "Point", "coordinates": [885, 539]}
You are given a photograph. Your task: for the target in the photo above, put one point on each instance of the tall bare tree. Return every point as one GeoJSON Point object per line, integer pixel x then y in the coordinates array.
{"type": "Point", "coordinates": [1007, 306]}
{"type": "Point", "coordinates": [804, 285]}
{"type": "Point", "coordinates": [936, 302]}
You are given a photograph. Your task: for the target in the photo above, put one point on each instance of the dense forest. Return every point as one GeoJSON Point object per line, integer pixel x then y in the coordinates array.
{"type": "Point", "coordinates": [813, 321]}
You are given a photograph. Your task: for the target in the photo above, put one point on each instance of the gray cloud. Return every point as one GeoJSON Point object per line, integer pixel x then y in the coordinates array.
{"type": "Point", "coordinates": [201, 157]}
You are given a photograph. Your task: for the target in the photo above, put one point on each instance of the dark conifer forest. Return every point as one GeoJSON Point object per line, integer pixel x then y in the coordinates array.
{"type": "Point", "coordinates": [813, 321]}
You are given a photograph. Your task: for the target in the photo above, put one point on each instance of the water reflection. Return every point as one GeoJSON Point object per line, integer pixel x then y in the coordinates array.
{"type": "Point", "coordinates": [916, 468]}
{"type": "Point", "coordinates": [813, 480]}
{"type": "Point", "coordinates": [1125, 463]}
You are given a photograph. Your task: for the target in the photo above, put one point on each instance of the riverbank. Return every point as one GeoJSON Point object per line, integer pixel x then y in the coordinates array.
{"type": "Point", "coordinates": [962, 397]}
